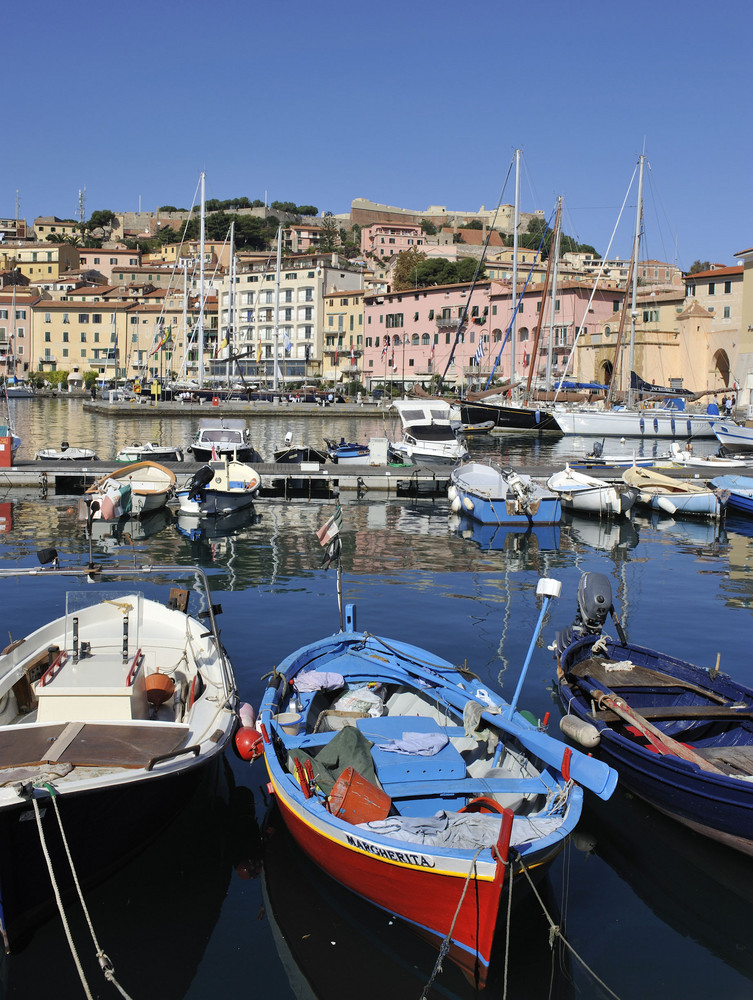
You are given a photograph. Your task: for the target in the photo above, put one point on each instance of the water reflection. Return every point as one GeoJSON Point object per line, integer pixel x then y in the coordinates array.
{"type": "Point", "coordinates": [498, 537]}
{"type": "Point", "coordinates": [327, 938]}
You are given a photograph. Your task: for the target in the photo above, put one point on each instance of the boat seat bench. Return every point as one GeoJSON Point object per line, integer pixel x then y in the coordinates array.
{"type": "Point", "coordinates": [466, 786]}
{"type": "Point", "coordinates": [694, 713]}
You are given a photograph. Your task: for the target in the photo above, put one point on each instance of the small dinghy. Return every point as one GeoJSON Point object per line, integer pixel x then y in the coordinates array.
{"type": "Point", "coordinates": [65, 454]}
{"type": "Point", "coordinates": [219, 487]}
{"type": "Point", "coordinates": [150, 451]}
{"type": "Point", "coordinates": [347, 452]}
{"type": "Point", "coordinates": [680, 736]}
{"type": "Point", "coordinates": [587, 495]}
{"type": "Point", "coordinates": [138, 489]}
{"type": "Point", "coordinates": [494, 496]}
{"type": "Point", "coordinates": [673, 496]}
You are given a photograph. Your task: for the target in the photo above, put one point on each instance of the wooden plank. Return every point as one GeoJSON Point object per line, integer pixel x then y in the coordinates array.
{"type": "Point", "coordinates": [692, 713]}
{"type": "Point", "coordinates": [63, 741]}
{"type": "Point", "coordinates": [637, 676]}
{"type": "Point", "coordinates": [734, 760]}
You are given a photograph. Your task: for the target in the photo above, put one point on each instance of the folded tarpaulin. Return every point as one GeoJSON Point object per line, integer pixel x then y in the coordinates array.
{"type": "Point", "coordinates": [464, 831]}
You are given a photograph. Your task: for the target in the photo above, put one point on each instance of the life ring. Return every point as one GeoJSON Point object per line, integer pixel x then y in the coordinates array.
{"type": "Point", "coordinates": [482, 804]}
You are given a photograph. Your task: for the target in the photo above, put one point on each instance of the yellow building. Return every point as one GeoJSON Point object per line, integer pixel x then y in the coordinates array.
{"type": "Point", "coordinates": [342, 336]}
{"type": "Point", "coordinates": [41, 261]}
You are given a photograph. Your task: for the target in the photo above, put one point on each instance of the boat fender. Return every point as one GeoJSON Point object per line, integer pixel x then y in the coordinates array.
{"type": "Point", "coordinates": [468, 503]}
{"type": "Point", "coordinates": [456, 505]}
{"type": "Point", "coordinates": [452, 492]}
{"type": "Point", "coordinates": [248, 743]}
{"type": "Point", "coordinates": [483, 804]}
{"type": "Point", "coordinates": [581, 732]}
{"type": "Point", "coordinates": [247, 714]}
{"type": "Point", "coordinates": [666, 505]}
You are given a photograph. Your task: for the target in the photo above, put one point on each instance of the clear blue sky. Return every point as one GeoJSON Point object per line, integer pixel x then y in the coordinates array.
{"type": "Point", "coordinates": [410, 103]}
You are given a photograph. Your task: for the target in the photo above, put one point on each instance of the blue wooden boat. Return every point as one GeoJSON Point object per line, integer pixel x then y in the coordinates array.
{"type": "Point", "coordinates": [491, 495]}
{"type": "Point", "coordinates": [679, 735]}
{"type": "Point", "coordinates": [737, 492]}
{"type": "Point", "coordinates": [412, 827]}
{"type": "Point", "coordinates": [347, 452]}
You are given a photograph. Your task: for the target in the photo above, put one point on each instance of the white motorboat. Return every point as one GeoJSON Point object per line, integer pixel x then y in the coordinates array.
{"type": "Point", "coordinates": [65, 454]}
{"type": "Point", "coordinates": [150, 451]}
{"type": "Point", "coordinates": [733, 436]}
{"type": "Point", "coordinates": [219, 488]}
{"type": "Point", "coordinates": [589, 495]}
{"type": "Point", "coordinates": [429, 433]}
{"type": "Point", "coordinates": [220, 438]}
{"type": "Point", "coordinates": [137, 489]}
{"type": "Point", "coordinates": [110, 712]}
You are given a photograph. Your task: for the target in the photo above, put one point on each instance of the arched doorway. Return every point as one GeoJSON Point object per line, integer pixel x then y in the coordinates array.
{"type": "Point", "coordinates": [721, 366]}
{"type": "Point", "coordinates": [606, 371]}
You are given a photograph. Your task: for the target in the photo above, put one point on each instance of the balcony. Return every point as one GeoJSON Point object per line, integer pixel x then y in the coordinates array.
{"type": "Point", "coordinates": [447, 323]}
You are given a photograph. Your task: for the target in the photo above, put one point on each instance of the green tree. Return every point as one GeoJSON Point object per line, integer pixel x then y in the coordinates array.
{"type": "Point", "coordinates": [699, 265]}
{"type": "Point", "coordinates": [329, 239]}
{"type": "Point", "coordinates": [405, 271]}
{"type": "Point", "coordinates": [102, 219]}
{"type": "Point", "coordinates": [473, 224]}
{"type": "Point", "coordinates": [428, 227]}
{"type": "Point", "coordinates": [309, 210]}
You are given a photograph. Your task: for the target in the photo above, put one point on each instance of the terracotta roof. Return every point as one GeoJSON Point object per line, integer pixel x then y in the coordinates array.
{"type": "Point", "coordinates": [716, 272]}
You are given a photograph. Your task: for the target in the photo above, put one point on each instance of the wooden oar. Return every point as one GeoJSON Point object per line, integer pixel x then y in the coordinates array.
{"type": "Point", "coordinates": [655, 736]}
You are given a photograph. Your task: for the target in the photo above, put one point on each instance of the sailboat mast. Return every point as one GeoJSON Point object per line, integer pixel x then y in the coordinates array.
{"type": "Point", "coordinates": [277, 309]}
{"type": "Point", "coordinates": [636, 246]}
{"type": "Point", "coordinates": [516, 224]}
{"type": "Point", "coordinates": [230, 331]}
{"type": "Point", "coordinates": [553, 305]}
{"type": "Point", "coordinates": [202, 233]}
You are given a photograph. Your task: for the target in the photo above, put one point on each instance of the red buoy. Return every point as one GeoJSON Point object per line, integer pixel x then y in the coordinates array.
{"type": "Point", "coordinates": [249, 743]}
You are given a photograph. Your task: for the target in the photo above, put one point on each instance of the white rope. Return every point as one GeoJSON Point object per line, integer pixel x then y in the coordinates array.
{"type": "Point", "coordinates": [59, 901]}
{"type": "Point", "coordinates": [105, 963]}
{"type": "Point", "coordinates": [556, 932]}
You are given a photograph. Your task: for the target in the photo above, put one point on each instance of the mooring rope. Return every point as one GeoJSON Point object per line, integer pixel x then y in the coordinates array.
{"type": "Point", "coordinates": [556, 932]}
{"type": "Point", "coordinates": [105, 963]}
{"type": "Point", "coordinates": [445, 946]}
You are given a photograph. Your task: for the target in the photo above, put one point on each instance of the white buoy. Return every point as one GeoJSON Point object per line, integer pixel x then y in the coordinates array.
{"type": "Point", "coordinates": [456, 506]}
{"type": "Point", "coordinates": [666, 505]}
{"type": "Point", "coordinates": [452, 492]}
{"type": "Point", "coordinates": [580, 731]}
{"type": "Point", "coordinates": [468, 503]}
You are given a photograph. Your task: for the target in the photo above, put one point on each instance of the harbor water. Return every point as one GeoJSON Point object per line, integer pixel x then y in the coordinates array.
{"type": "Point", "coordinates": [222, 904]}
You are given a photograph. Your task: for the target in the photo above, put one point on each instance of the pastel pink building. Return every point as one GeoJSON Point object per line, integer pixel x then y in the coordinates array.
{"type": "Point", "coordinates": [384, 239]}
{"type": "Point", "coordinates": [410, 336]}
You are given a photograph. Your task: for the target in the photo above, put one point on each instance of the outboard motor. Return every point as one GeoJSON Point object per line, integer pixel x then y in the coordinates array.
{"type": "Point", "coordinates": [594, 606]}
{"type": "Point", "coordinates": [598, 449]}
{"type": "Point", "coordinates": [197, 486]}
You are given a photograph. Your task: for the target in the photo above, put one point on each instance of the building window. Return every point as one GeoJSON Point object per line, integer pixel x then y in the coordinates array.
{"type": "Point", "coordinates": [712, 288]}
{"type": "Point", "coordinates": [727, 312]}
{"type": "Point", "coordinates": [65, 336]}
{"type": "Point", "coordinates": [47, 337]}
{"type": "Point", "coordinates": [83, 336]}
{"type": "Point", "coordinates": [727, 287]}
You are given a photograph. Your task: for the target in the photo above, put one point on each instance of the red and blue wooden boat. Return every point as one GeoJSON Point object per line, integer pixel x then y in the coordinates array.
{"type": "Point", "coordinates": [429, 835]}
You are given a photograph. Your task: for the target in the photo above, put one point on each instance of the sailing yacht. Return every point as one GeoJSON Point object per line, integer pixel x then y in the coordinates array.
{"type": "Point", "coordinates": [669, 419]}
